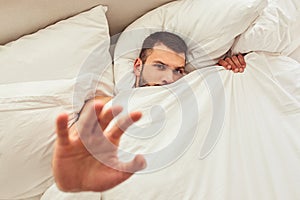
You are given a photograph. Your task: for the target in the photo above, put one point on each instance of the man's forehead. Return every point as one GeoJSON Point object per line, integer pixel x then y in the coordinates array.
{"type": "Point", "coordinates": [163, 48]}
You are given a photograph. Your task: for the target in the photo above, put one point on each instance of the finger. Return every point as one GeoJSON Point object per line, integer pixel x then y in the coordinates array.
{"type": "Point", "coordinates": [124, 171]}
{"type": "Point", "coordinates": [122, 124]}
{"type": "Point", "coordinates": [62, 131]}
{"type": "Point", "coordinates": [242, 60]}
{"type": "Point", "coordinates": [137, 164]}
{"type": "Point", "coordinates": [106, 116]}
{"type": "Point", "coordinates": [98, 106]}
{"type": "Point", "coordinates": [88, 119]}
{"type": "Point", "coordinates": [230, 62]}
{"type": "Point", "coordinates": [225, 64]}
{"type": "Point", "coordinates": [237, 63]}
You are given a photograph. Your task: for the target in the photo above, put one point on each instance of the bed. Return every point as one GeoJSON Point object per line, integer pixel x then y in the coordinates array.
{"type": "Point", "coordinates": [213, 134]}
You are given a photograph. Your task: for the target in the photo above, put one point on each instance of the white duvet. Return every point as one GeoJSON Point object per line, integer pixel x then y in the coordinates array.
{"type": "Point", "coordinates": [219, 135]}
{"type": "Point", "coordinates": [216, 135]}
{"type": "Point", "coordinates": [238, 138]}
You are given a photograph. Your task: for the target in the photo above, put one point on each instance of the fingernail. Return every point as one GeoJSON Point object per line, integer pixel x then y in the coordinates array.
{"type": "Point", "coordinates": [236, 70]}
{"type": "Point", "coordinates": [228, 66]}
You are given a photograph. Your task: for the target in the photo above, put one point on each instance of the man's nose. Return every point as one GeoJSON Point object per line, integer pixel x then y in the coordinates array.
{"type": "Point", "coordinates": [168, 77]}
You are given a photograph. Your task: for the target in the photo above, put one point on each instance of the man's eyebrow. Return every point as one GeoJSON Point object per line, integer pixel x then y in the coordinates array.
{"type": "Point", "coordinates": [160, 62]}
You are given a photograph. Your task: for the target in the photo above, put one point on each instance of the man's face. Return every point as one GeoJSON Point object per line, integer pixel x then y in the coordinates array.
{"type": "Point", "coordinates": [162, 66]}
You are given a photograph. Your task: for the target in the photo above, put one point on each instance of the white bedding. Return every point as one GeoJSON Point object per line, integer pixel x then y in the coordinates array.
{"type": "Point", "coordinates": [275, 30]}
{"type": "Point", "coordinates": [42, 75]}
{"type": "Point", "coordinates": [220, 135]}
{"type": "Point", "coordinates": [238, 134]}
{"type": "Point", "coordinates": [211, 135]}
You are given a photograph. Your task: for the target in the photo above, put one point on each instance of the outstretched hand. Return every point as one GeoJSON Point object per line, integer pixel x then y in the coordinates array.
{"type": "Point", "coordinates": [235, 63]}
{"type": "Point", "coordinates": [85, 157]}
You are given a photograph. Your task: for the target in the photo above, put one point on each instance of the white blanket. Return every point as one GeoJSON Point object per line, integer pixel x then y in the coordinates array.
{"type": "Point", "coordinates": [217, 135]}
{"type": "Point", "coordinates": [214, 135]}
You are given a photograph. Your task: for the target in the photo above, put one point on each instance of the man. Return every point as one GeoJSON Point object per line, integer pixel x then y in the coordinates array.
{"type": "Point", "coordinates": [162, 61]}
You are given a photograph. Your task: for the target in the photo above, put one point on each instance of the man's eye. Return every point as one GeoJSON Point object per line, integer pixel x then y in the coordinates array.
{"type": "Point", "coordinates": [178, 71]}
{"type": "Point", "coordinates": [160, 66]}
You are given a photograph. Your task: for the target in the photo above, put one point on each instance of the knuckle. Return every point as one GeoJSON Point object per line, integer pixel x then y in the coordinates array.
{"type": "Point", "coordinates": [227, 59]}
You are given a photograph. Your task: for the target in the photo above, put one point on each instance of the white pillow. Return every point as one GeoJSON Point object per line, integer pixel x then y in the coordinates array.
{"type": "Point", "coordinates": [275, 30]}
{"type": "Point", "coordinates": [52, 71]}
{"type": "Point", "coordinates": [208, 28]}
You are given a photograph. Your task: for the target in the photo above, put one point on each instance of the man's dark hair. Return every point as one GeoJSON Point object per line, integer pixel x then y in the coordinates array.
{"type": "Point", "coordinates": [170, 40]}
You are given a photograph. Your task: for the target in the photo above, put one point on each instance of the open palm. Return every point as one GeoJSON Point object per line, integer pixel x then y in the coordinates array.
{"type": "Point", "coordinates": [85, 157]}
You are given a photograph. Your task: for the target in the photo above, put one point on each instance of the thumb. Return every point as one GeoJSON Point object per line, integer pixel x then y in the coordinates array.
{"type": "Point", "coordinates": [62, 130]}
